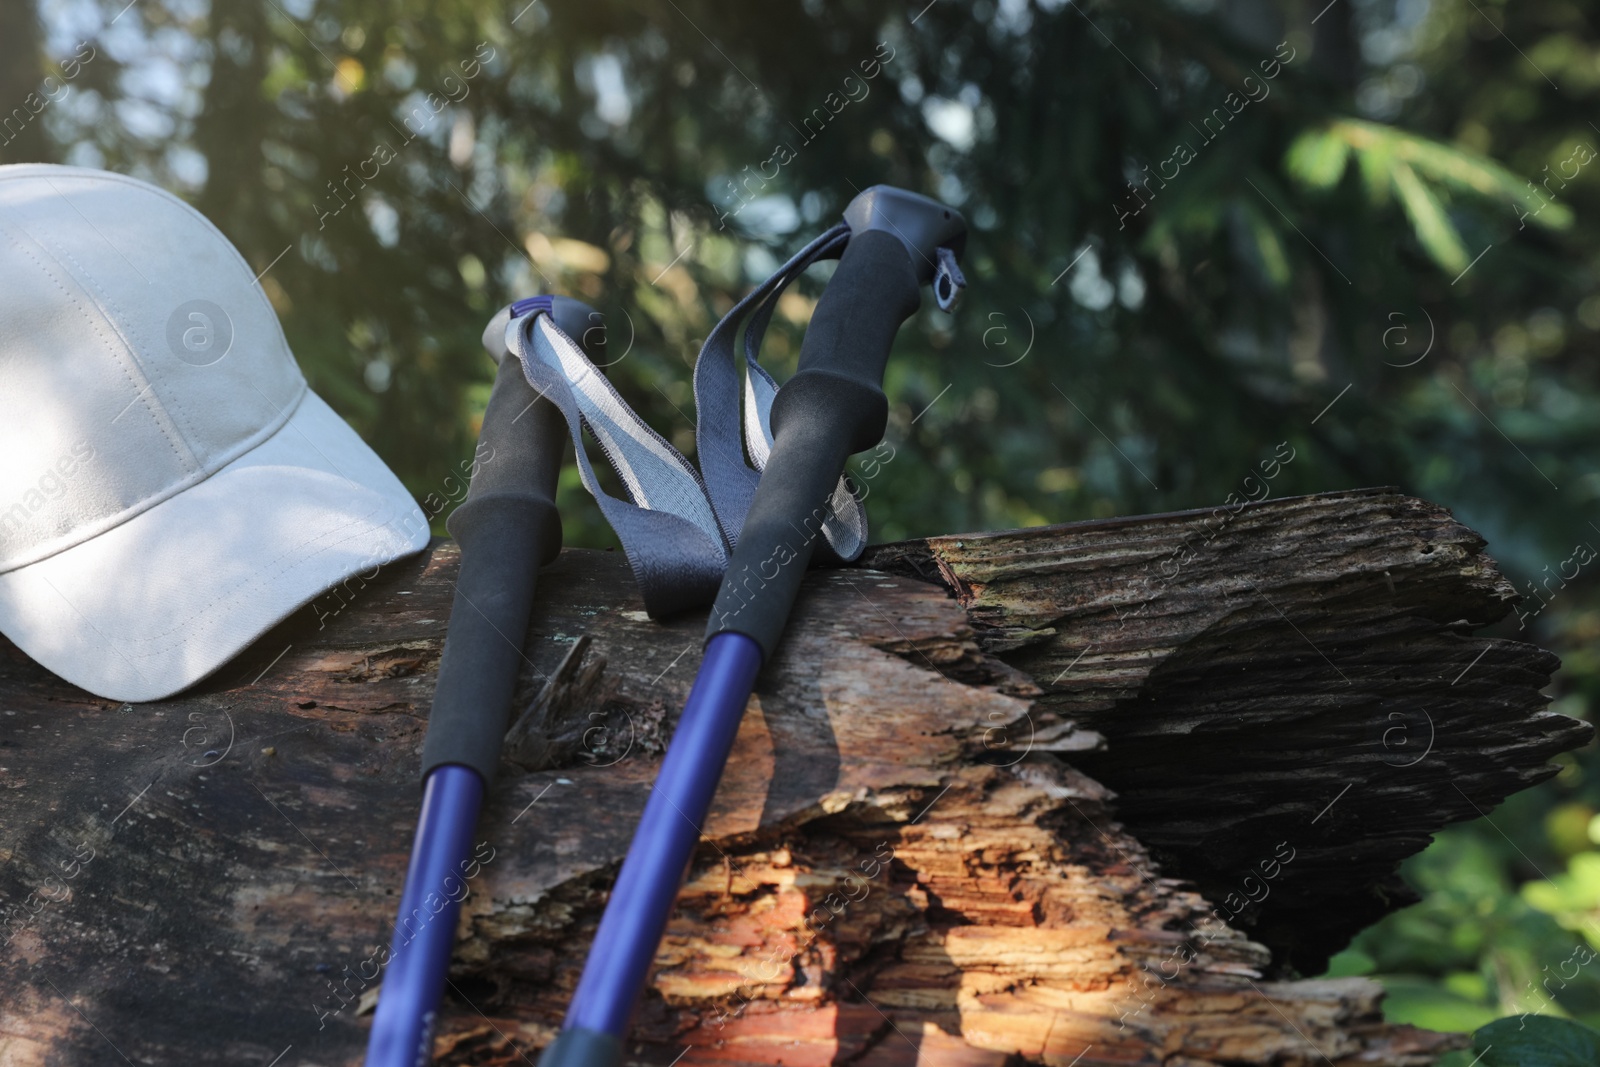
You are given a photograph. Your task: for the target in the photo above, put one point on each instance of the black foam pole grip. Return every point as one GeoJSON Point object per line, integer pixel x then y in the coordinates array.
{"type": "Point", "coordinates": [506, 529]}
{"type": "Point", "coordinates": [833, 406]}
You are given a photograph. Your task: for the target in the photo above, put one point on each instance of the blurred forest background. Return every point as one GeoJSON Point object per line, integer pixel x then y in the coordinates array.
{"type": "Point", "coordinates": [1378, 244]}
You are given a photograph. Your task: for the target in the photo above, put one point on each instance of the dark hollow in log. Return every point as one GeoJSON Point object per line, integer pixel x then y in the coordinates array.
{"type": "Point", "coordinates": [908, 862]}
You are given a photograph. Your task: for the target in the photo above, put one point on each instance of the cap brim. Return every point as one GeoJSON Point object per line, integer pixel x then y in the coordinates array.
{"type": "Point", "coordinates": [157, 603]}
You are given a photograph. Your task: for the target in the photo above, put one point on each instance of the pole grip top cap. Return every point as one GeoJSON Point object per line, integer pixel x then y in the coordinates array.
{"type": "Point", "coordinates": [574, 318]}
{"type": "Point", "coordinates": [920, 223]}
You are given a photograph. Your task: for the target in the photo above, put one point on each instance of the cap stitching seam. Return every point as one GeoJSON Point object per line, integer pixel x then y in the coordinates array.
{"type": "Point", "coordinates": [152, 373]}
{"type": "Point", "coordinates": [156, 190]}
{"type": "Point", "coordinates": [197, 471]}
{"type": "Point", "coordinates": [95, 326]}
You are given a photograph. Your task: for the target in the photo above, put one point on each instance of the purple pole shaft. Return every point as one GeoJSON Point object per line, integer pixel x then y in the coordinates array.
{"type": "Point", "coordinates": [653, 872]}
{"type": "Point", "coordinates": [419, 956]}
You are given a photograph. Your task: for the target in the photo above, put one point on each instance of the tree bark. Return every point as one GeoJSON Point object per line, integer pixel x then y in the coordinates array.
{"type": "Point", "coordinates": [1090, 794]}
{"type": "Point", "coordinates": [22, 75]}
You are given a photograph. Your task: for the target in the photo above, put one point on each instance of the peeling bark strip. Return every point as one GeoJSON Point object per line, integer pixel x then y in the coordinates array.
{"type": "Point", "coordinates": [908, 862]}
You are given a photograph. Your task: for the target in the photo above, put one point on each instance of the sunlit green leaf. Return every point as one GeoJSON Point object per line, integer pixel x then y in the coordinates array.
{"type": "Point", "coordinates": [1536, 1041]}
{"type": "Point", "coordinates": [1377, 169]}
{"type": "Point", "coordinates": [1570, 897]}
{"type": "Point", "coordinates": [1449, 165]}
{"type": "Point", "coordinates": [1318, 158]}
{"type": "Point", "coordinates": [1433, 227]}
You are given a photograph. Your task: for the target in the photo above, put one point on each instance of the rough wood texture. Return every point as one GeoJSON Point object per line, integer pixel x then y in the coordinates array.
{"type": "Point", "coordinates": [908, 861]}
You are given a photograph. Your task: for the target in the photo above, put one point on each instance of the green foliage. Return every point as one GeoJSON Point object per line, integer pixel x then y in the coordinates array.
{"type": "Point", "coordinates": [1487, 939]}
{"type": "Point", "coordinates": [1434, 229]}
{"type": "Point", "coordinates": [1537, 1041]}
{"type": "Point", "coordinates": [1390, 160]}
{"type": "Point", "coordinates": [1318, 157]}
{"type": "Point", "coordinates": [1573, 898]}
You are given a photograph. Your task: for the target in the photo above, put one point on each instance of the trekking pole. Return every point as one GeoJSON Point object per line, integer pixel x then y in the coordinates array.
{"type": "Point", "coordinates": [507, 528]}
{"type": "Point", "coordinates": [832, 407]}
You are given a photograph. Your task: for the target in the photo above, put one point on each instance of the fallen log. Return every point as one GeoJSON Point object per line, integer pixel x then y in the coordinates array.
{"type": "Point", "coordinates": [1097, 793]}
{"type": "Point", "coordinates": [1306, 663]}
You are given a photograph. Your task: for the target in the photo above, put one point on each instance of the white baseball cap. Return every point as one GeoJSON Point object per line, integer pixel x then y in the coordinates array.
{"type": "Point", "coordinates": [169, 486]}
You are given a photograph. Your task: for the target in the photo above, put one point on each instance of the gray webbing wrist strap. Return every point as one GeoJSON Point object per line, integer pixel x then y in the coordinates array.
{"type": "Point", "coordinates": [678, 528]}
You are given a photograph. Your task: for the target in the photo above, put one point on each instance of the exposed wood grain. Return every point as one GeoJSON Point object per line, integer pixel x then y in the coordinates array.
{"type": "Point", "coordinates": [908, 861]}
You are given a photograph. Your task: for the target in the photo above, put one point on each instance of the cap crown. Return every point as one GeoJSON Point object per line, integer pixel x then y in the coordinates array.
{"type": "Point", "coordinates": [137, 355]}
